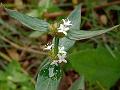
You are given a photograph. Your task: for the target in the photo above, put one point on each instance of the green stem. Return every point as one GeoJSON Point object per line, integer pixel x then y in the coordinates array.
{"type": "Point", "coordinates": [56, 44]}
{"type": "Point", "coordinates": [99, 84]}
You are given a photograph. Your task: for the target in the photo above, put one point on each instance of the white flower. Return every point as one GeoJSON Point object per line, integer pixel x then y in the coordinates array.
{"type": "Point", "coordinates": [63, 29]}
{"type": "Point", "coordinates": [65, 26]}
{"type": "Point", "coordinates": [62, 58]}
{"type": "Point", "coordinates": [61, 50]}
{"type": "Point", "coordinates": [62, 55]}
{"type": "Point", "coordinates": [49, 47]}
{"type": "Point", "coordinates": [55, 62]}
{"type": "Point", "coordinates": [67, 22]}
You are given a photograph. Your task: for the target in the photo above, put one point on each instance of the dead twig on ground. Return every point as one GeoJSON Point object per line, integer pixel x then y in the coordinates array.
{"type": "Point", "coordinates": [56, 14]}
{"type": "Point", "coordinates": [22, 48]}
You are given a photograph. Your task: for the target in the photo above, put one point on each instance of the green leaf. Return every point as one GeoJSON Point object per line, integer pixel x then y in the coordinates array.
{"type": "Point", "coordinates": [75, 18]}
{"type": "Point", "coordinates": [78, 84]}
{"type": "Point", "coordinates": [44, 5]}
{"type": "Point", "coordinates": [82, 34]}
{"type": "Point", "coordinates": [28, 21]}
{"type": "Point", "coordinates": [36, 34]}
{"type": "Point", "coordinates": [97, 65]}
{"type": "Point", "coordinates": [67, 43]}
{"type": "Point", "coordinates": [48, 77]}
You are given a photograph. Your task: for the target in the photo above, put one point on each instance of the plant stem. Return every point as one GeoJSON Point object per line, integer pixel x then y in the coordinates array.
{"type": "Point", "coordinates": [56, 44]}
{"type": "Point", "coordinates": [99, 84]}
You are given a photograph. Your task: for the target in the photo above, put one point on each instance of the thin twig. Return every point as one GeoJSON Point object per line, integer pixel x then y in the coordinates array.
{"type": "Point", "coordinates": [99, 84]}
{"type": "Point", "coordinates": [5, 57]}
{"type": "Point", "coordinates": [105, 5]}
{"type": "Point", "coordinates": [22, 48]}
{"type": "Point", "coordinates": [56, 14]}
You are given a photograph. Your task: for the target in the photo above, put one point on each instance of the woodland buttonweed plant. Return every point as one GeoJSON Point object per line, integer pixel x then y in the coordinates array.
{"type": "Point", "coordinates": [64, 37]}
{"type": "Point", "coordinates": [60, 53]}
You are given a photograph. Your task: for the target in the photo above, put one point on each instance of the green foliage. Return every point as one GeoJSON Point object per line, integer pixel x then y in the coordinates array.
{"type": "Point", "coordinates": [67, 43]}
{"type": "Point", "coordinates": [48, 77]}
{"type": "Point", "coordinates": [28, 21]}
{"type": "Point", "coordinates": [82, 34]}
{"type": "Point", "coordinates": [42, 7]}
{"type": "Point", "coordinates": [76, 34]}
{"type": "Point", "coordinates": [75, 18]}
{"type": "Point", "coordinates": [12, 77]}
{"type": "Point", "coordinates": [93, 62]}
{"type": "Point", "coordinates": [98, 66]}
{"type": "Point", "coordinates": [114, 7]}
{"type": "Point", "coordinates": [36, 34]}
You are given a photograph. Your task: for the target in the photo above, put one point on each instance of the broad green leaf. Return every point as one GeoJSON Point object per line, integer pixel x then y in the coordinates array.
{"type": "Point", "coordinates": [48, 77]}
{"type": "Point", "coordinates": [78, 84]}
{"type": "Point", "coordinates": [45, 61]}
{"type": "Point", "coordinates": [67, 43]}
{"type": "Point", "coordinates": [36, 34]}
{"type": "Point", "coordinates": [97, 65]}
{"type": "Point", "coordinates": [28, 21]}
{"type": "Point", "coordinates": [75, 18]}
{"type": "Point", "coordinates": [82, 34]}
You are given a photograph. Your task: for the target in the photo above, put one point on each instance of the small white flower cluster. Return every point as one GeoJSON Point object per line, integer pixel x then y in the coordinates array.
{"type": "Point", "coordinates": [65, 26]}
{"type": "Point", "coordinates": [61, 54]}
{"type": "Point", "coordinates": [48, 46]}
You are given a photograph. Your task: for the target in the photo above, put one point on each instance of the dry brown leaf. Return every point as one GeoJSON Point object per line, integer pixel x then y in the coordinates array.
{"type": "Point", "coordinates": [13, 54]}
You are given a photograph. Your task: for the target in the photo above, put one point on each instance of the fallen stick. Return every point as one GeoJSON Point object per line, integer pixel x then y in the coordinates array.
{"type": "Point", "coordinates": [62, 13]}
